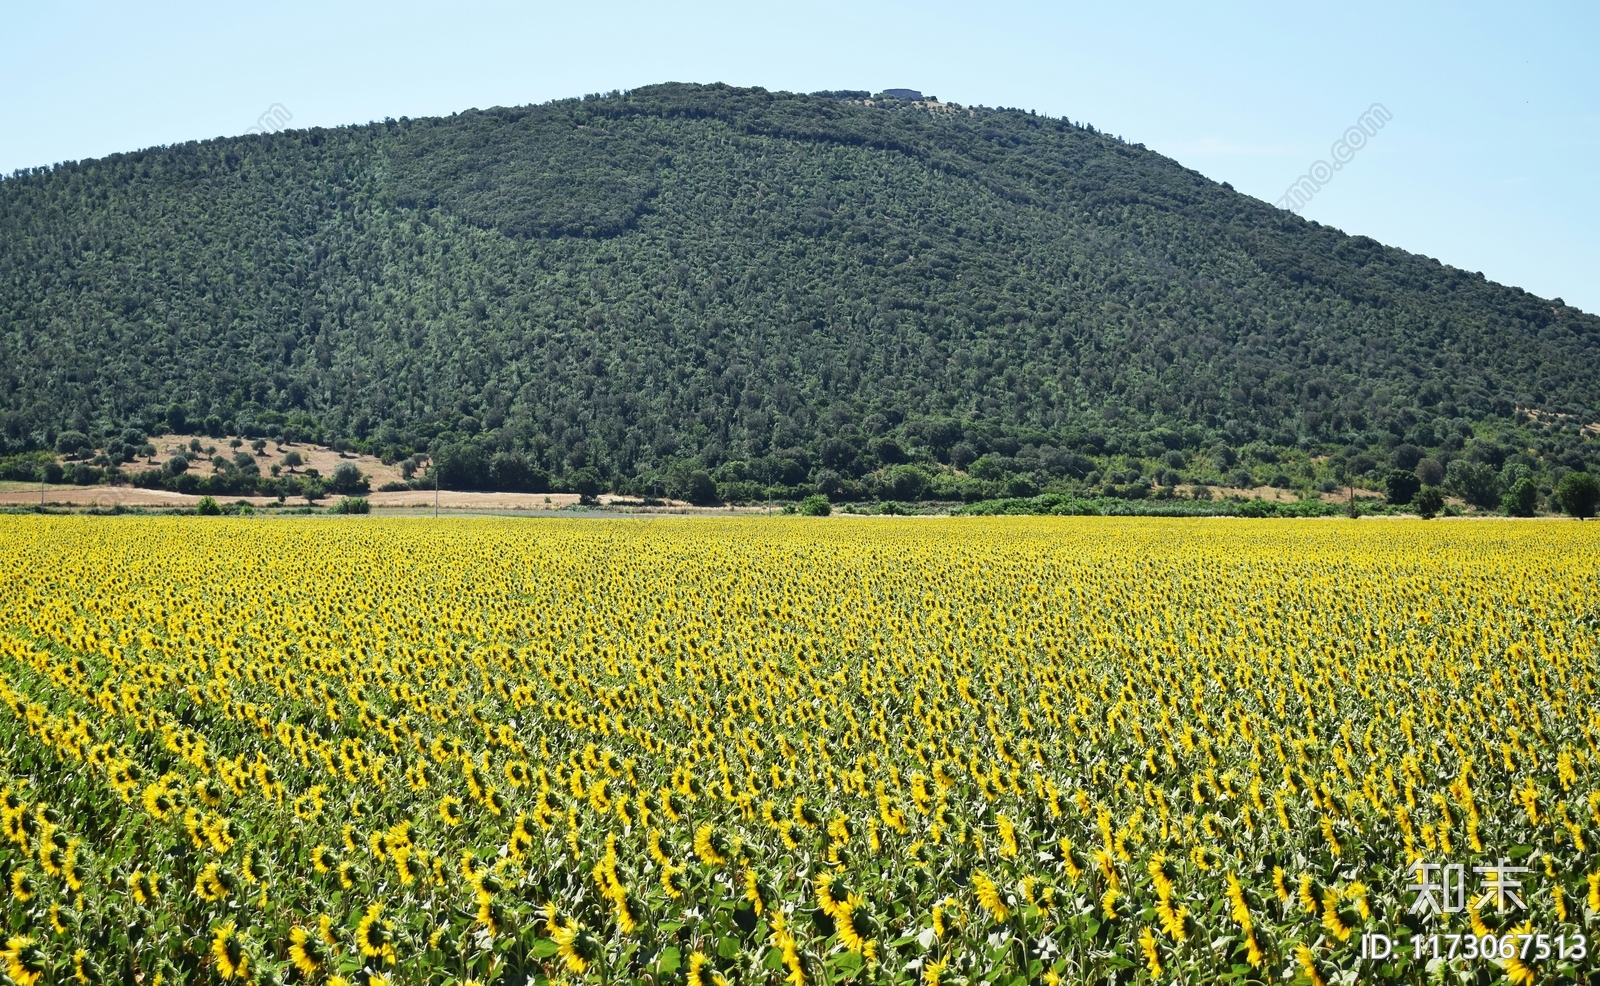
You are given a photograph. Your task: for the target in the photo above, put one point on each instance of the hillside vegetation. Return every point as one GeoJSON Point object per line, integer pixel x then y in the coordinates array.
{"type": "Point", "coordinates": [719, 292]}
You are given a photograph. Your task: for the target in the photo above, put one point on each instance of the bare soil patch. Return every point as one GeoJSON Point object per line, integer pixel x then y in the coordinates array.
{"type": "Point", "coordinates": [319, 457]}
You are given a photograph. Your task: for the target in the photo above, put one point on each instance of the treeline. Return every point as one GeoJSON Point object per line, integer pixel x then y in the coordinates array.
{"type": "Point", "coordinates": [716, 292]}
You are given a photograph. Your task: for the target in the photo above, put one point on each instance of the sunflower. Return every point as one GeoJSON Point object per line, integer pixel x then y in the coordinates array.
{"type": "Point", "coordinates": [84, 968]}
{"type": "Point", "coordinates": [408, 867]}
{"type": "Point", "coordinates": [709, 846]}
{"type": "Point", "coordinates": [671, 881]}
{"type": "Point", "coordinates": [374, 935]}
{"type": "Point", "coordinates": [252, 868]}
{"type": "Point", "coordinates": [158, 800]}
{"type": "Point", "coordinates": [1152, 957]}
{"type": "Point", "coordinates": [307, 951]}
{"type": "Point", "coordinates": [25, 961]}
{"type": "Point", "coordinates": [212, 884]}
{"type": "Point", "coordinates": [785, 945]}
{"type": "Point", "coordinates": [576, 946]}
{"type": "Point", "coordinates": [323, 860]}
{"type": "Point", "coordinates": [521, 837]}
{"type": "Point", "coordinates": [23, 886]}
{"type": "Point", "coordinates": [989, 897]}
{"type": "Point", "coordinates": [450, 810]}
{"type": "Point", "coordinates": [210, 792]}
{"type": "Point", "coordinates": [309, 805]}
{"type": "Point", "coordinates": [517, 773]}
{"type": "Point", "coordinates": [227, 952]}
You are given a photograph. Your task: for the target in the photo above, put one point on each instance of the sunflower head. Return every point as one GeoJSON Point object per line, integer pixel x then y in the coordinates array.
{"type": "Point", "coordinates": [517, 773]}
{"type": "Point", "coordinates": [307, 951]}
{"type": "Point", "coordinates": [450, 810]}
{"type": "Point", "coordinates": [23, 886]}
{"type": "Point", "coordinates": [323, 859]}
{"type": "Point", "coordinates": [227, 953]}
{"type": "Point", "coordinates": [25, 961]}
{"type": "Point", "coordinates": [374, 935]}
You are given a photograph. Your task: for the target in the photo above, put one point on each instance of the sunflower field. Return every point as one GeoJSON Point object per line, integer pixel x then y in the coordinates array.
{"type": "Point", "coordinates": [708, 752]}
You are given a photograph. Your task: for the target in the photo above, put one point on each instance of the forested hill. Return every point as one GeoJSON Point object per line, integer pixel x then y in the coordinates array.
{"type": "Point", "coordinates": [739, 280]}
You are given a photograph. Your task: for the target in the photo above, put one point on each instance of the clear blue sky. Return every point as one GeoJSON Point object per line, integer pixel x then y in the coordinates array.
{"type": "Point", "coordinates": [1489, 163]}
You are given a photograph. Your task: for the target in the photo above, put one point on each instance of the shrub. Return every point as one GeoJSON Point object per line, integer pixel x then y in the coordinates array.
{"type": "Point", "coordinates": [816, 505]}
{"type": "Point", "coordinates": [1579, 494]}
{"type": "Point", "coordinates": [208, 507]}
{"type": "Point", "coordinates": [351, 505]}
{"type": "Point", "coordinates": [1428, 501]}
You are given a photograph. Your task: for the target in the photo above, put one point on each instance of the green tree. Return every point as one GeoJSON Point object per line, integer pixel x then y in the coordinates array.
{"type": "Point", "coordinates": [348, 479]}
{"type": "Point", "coordinates": [1520, 500]}
{"type": "Point", "coordinates": [1401, 485]}
{"type": "Point", "coordinates": [1579, 494]}
{"type": "Point", "coordinates": [513, 473]}
{"type": "Point", "coordinates": [816, 505]}
{"type": "Point", "coordinates": [69, 442]}
{"type": "Point", "coordinates": [177, 418]}
{"type": "Point", "coordinates": [208, 507]}
{"type": "Point", "coordinates": [693, 485]}
{"type": "Point", "coordinates": [903, 482]}
{"type": "Point", "coordinates": [1474, 482]}
{"type": "Point", "coordinates": [1428, 501]}
{"type": "Point", "coordinates": [586, 483]}
{"type": "Point", "coordinates": [461, 466]}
